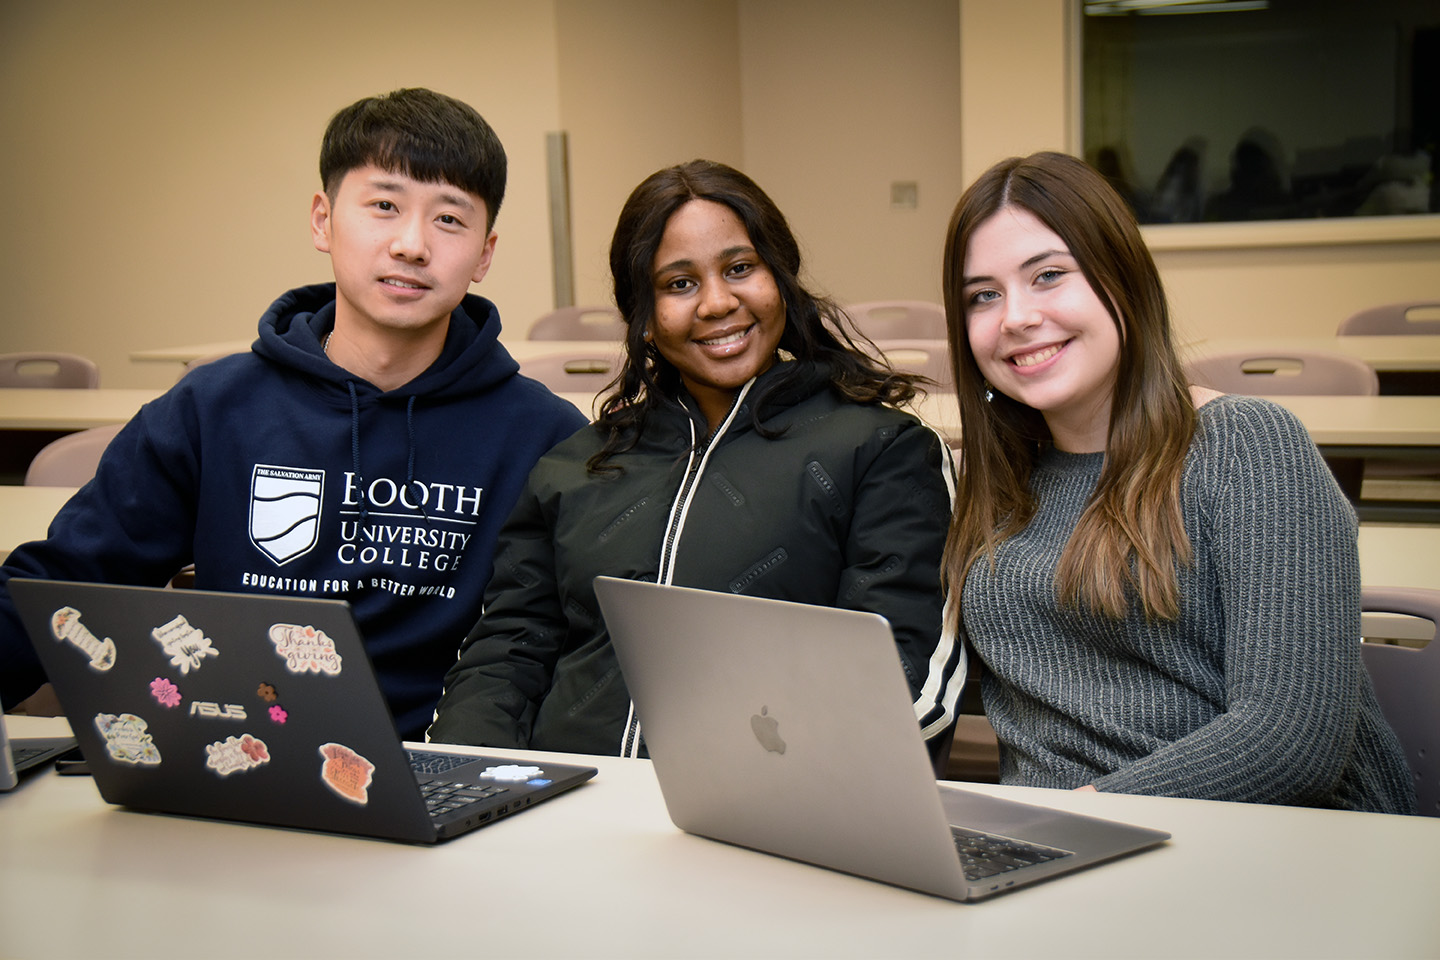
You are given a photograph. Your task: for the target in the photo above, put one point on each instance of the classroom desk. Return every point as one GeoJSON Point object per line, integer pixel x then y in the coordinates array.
{"type": "Point", "coordinates": [26, 512]}
{"type": "Point", "coordinates": [69, 410]}
{"type": "Point", "coordinates": [521, 350]}
{"type": "Point", "coordinates": [601, 872]}
{"type": "Point", "coordinates": [1384, 425]}
{"type": "Point", "coordinates": [1405, 364]}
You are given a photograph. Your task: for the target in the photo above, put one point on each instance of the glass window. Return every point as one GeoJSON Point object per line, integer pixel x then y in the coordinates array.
{"type": "Point", "coordinates": [1228, 110]}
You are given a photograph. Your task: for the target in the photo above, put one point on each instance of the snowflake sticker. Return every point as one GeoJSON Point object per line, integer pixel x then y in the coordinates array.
{"type": "Point", "coordinates": [165, 693]}
{"type": "Point", "coordinates": [510, 773]}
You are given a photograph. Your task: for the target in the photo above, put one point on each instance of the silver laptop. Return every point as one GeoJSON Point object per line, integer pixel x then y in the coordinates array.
{"type": "Point", "coordinates": [257, 708]}
{"type": "Point", "coordinates": [23, 754]}
{"type": "Point", "coordinates": [790, 729]}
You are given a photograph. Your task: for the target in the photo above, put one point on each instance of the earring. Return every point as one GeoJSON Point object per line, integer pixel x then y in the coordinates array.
{"type": "Point", "coordinates": [989, 392]}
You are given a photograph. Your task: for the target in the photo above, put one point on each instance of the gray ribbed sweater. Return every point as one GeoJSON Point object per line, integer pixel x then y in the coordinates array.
{"type": "Point", "coordinates": [1255, 693]}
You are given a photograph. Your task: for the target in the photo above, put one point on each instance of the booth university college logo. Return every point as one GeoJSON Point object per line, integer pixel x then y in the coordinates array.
{"type": "Point", "coordinates": [285, 510]}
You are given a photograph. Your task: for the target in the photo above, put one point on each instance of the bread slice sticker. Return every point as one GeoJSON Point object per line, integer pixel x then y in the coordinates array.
{"type": "Point", "coordinates": [347, 773]}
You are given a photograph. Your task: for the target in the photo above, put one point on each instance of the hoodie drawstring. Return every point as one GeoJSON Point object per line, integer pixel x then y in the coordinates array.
{"type": "Point", "coordinates": [355, 451]}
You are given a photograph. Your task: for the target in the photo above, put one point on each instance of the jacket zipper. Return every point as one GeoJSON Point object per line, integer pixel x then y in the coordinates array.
{"type": "Point", "coordinates": [699, 458]}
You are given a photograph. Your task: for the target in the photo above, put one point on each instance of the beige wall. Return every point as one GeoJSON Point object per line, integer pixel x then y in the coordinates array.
{"type": "Point", "coordinates": [643, 84]}
{"type": "Point", "coordinates": [160, 157]}
{"type": "Point", "coordinates": [842, 98]}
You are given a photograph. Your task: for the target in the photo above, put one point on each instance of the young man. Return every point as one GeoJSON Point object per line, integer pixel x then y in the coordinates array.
{"type": "Point", "coordinates": [369, 446]}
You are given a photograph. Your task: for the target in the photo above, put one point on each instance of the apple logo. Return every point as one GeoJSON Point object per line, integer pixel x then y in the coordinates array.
{"type": "Point", "coordinates": [767, 731]}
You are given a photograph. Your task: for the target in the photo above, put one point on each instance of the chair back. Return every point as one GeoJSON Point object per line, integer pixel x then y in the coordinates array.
{"type": "Point", "coordinates": [1297, 372]}
{"type": "Point", "coordinates": [579, 323]}
{"type": "Point", "coordinates": [71, 460]}
{"type": "Point", "coordinates": [930, 358]}
{"type": "Point", "coordinates": [1391, 319]}
{"type": "Point", "coordinates": [899, 319]}
{"type": "Point", "coordinates": [1407, 683]}
{"type": "Point", "coordinates": [48, 370]}
{"type": "Point", "coordinates": [567, 373]}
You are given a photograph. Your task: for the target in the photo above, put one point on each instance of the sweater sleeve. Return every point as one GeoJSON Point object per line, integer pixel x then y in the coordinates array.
{"type": "Point", "coordinates": [892, 565]}
{"type": "Point", "coordinates": [132, 524]}
{"type": "Point", "coordinates": [505, 665]}
{"type": "Point", "coordinates": [1284, 542]}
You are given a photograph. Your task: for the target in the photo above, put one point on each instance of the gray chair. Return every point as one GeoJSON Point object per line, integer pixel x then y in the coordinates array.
{"type": "Point", "coordinates": [579, 323]}
{"type": "Point", "coordinates": [1391, 319]}
{"type": "Point", "coordinates": [899, 319]}
{"type": "Point", "coordinates": [48, 370]}
{"type": "Point", "coordinates": [567, 373]}
{"type": "Point", "coordinates": [71, 460]}
{"type": "Point", "coordinates": [1407, 682]}
{"type": "Point", "coordinates": [930, 358]}
{"type": "Point", "coordinates": [1296, 372]}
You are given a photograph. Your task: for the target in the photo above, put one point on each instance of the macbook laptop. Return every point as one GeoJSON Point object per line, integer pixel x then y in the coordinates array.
{"type": "Point", "coordinates": [257, 708]}
{"type": "Point", "coordinates": [790, 729]}
{"type": "Point", "coordinates": [23, 754]}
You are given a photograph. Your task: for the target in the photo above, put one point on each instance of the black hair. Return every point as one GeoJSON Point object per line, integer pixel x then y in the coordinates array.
{"type": "Point", "coordinates": [421, 134]}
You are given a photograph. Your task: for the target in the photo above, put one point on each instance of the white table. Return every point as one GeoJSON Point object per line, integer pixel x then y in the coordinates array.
{"type": "Point", "coordinates": [601, 872]}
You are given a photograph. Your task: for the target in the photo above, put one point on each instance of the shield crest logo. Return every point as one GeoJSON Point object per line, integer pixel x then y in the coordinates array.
{"type": "Point", "coordinates": [285, 510]}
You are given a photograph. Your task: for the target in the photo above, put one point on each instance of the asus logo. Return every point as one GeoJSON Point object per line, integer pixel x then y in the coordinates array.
{"type": "Point", "coordinates": [204, 708]}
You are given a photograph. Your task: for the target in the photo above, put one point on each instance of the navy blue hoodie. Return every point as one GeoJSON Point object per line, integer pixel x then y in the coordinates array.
{"type": "Point", "coordinates": [277, 471]}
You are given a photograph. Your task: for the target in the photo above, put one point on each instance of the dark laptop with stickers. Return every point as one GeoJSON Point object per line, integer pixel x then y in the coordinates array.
{"type": "Point", "coordinates": [257, 708]}
{"type": "Point", "coordinates": [789, 728]}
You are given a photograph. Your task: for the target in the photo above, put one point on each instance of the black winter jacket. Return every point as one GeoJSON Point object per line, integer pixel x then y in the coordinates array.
{"type": "Point", "coordinates": [847, 506]}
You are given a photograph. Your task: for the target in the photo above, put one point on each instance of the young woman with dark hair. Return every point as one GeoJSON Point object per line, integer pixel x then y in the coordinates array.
{"type": "Point", "coordinates": [748, 446]}
{"type": "Point", "coordinates": [1161, 582]}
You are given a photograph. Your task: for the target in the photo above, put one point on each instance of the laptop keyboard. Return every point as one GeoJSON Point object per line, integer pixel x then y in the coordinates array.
{"type": "Point", "coordinates": [432, 763]}
{"type": "Point", "coordinates": [23, 755]}
{"type": "Point", "coordinates": [443, 798]}
{"type": "Point", "coordinates": [986, 855]}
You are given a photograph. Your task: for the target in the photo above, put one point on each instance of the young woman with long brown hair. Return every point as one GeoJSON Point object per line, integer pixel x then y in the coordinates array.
{"type": "Point", "coordinates": [1161, 582]}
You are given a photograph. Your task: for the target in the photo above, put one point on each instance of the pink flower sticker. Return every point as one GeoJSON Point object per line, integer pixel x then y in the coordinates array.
{"type": "Point", "coordinates": [278, 714]}
{"type": "Point", "coordinates": [165, 692]}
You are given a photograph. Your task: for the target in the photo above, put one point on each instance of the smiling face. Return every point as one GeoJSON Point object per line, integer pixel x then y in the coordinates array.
{"type": "Point", "coordinates": [404, 251]}
{"type": "Point", "coordinates": [1038, 332]}
{"type": "Point", "coordinates": [718, 312]}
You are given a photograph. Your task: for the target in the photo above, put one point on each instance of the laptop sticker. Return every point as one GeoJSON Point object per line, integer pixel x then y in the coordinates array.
{"type": "Point", "coordinates": [510, 773]}
{"type": "Point", "coordinates": [185, 645]}
{"type": "Point", "coordinates": [165, 692]}
{"type": "Point", "coordinates": [266, 692]}
{"type": "Point", "coordinates": [347, 773]}
{"type": "Point", "coordinates": [66, 626]}
{"type": "Point", "coordinates": [126, 739]}
{"type": "Point", "coordinates": [278, 714]}
{"type": "Point", "coordinates": [236, 754]}
{"type": "Point", "coordinates": [305, 649]}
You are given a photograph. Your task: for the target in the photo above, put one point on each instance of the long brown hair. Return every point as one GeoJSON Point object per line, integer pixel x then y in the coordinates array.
{"type": "Point", "coordinates": [816, 330]}
{"type": "Point", "coordinates": [1131, 537]}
